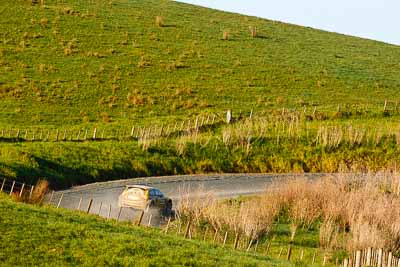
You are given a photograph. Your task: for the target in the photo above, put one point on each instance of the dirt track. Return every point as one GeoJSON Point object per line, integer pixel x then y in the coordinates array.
{"type": "Point", "coordinates": [106, 194]}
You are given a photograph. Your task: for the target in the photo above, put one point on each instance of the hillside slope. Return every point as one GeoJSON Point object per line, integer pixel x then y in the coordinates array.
{"type": "Point", "coordinates": [92, 62]}
{"type": "Point", "coordinates": [46, 236]}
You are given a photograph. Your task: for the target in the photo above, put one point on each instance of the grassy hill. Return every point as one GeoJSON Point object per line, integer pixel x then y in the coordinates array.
{"type": "Point", "coordinates": [81, 62]}
{"type": "Point", "coordinates": [317, 97]}
{"type": "Point", "coordinates": [39, 236]}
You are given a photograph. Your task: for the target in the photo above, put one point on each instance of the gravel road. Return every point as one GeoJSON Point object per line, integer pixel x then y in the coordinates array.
{"type": "Point", "coordinates": [105, 195]}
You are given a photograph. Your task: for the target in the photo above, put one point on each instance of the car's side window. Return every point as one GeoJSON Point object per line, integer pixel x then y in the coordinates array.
{"type": "Point", "coordinates": [158, 193]}
{"type": "Point", "coordinates": [152, 193]}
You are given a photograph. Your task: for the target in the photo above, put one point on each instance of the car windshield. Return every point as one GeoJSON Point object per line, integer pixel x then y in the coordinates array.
{"type": "Point", "coordinates": [135, 192]}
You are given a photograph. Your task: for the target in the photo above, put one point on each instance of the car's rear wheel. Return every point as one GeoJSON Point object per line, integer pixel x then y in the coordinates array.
{"type": "Point", "coordinates": [168, 208]}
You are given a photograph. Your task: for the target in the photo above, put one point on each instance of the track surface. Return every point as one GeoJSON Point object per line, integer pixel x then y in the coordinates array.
{"type": "Point", "coordinates": [105, 195]}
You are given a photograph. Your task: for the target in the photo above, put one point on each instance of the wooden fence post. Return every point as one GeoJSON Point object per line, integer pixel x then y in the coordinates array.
{"type": "Point", "coordinates": [289, 253]}
{"type": "Point", "coordinates": [22, 190]}
{"type": "Point", "coordinates": [187, 228]}
{"type": "Point", "coordinates": [389, 260]}
{"type": "Point", "coordinates": [380, 254]}
{"type": "Point", "coordinates": [109, 212]}
{"type": "Point", "coordinates": [249, 245]}
{"type": "Point", "coordinates": [236, 242]}
{"type": "Point", "coordinates": [205, 234]}
{"type": "Point", "coordinates": [151, 217]}
{"type": "Point", "coordinates": [215, 235]}
{"type": "Point", "coordinates": [225, 238]}
{"type": "Point", "coordinates": [12, 188]}
{"type": "Point", "coordinates": [94, 133]}
{"type": "Point", "coordinates": [268, 247]}
{"type": "Point", "coordinates": [280, 252]}
{"type": "Point", "coordinates": [346, 263]}
{"type": "Point", "coordinates": [90, 205]}
{"type": "Point", "coordinates": [79, 204]}
{"type": "Point", "coordinates": [101, 204]}
{"type": "Point", "coordinates": [166, 228]}
{"type": "Point", "coordinates": [132, 130]}
{"type": "Point", "coordinates": [2, 185]}
{"type": "Point", "coordinates": [368, 259]}
{"type": "Point", "coordinates": [51, 196]}
{"type": "Point", "coordinates": [358, 259]}
{"type": "Point", "coordinates": [59, 201]}
{"type": "Point", "coordinates": [119, 213]}
{"type": "Point", "coordinates": [140, 218]}
{"type": "Point", "coordinates": [31, 191]}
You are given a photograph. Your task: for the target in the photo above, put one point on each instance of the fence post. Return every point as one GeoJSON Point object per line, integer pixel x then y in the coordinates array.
{"type": "Point", "coordinates": [166, 228]}
{"type": "Point", "coordinates": [2, 185]}
{"type": "Point", "coordinates": [31, 191]}
{"type": "Point", "coordinates": [140, 218]}
{"type": "Point", "coordinates": [101, 204]}
{"type": "Point", "coordinates": [51, 197]}
{"type": "Point", "coordinates": [22, 190]}
{"type": "Point", "coordinates": [132, 130]}
{"type": "Point", "coordinates": [225, 238]}
{"type": "Point", "coordinates": [389, 260]}
{"type": "Point", "coordinates": [369, 253]}
{"type": "Point", "coordinates": [119, 213]}
{"type": "Point", "coordinates": [59, 201]}
{"type": "Point", "coordinates": [205, 234]}
{"type": "Point", "coordinates": [90, 205]}
{"type": "Point", "coordinates": [109, 212]}
{"type": "Point", "coordinates": [358, 259]}
{"type": "Point", "coordinates": [313, 258]}
{"type": "Point", "coordinates": [289, 253]}
{"type": "Point", "coordinates": [12, 188]}
{"type": "Point", "coordinates": [94, 133]}
{"type": "Point", "coordinates": [215, 235]}
{"type": "Point", "coordinates": [79, 204]}
{"type": "Point", "coordinates": [380, 254]}
{"type": "Point", "coordinates": [187, 228]}
{"type": "Point", "coordinates": [235, 244]}
{"type": "Point", "coordinates": [346, 263]}
{"type": "Point", "coordinates": [151, 217]}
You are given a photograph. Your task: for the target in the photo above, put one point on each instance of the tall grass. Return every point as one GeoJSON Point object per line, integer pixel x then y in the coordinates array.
{"type": "Point", "coordinates": [351, 211]}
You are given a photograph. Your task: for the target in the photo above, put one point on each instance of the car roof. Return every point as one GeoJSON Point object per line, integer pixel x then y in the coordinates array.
{"type": "Point", "coordinates": [144, 187]}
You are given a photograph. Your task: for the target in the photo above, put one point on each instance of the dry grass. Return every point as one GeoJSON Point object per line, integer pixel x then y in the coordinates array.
{"type": "Point", "coordinates": [351, 211]}
{"type": "Point", "coordinates": [252, 218]}
{"type": "Point", "coordinates": [39, 191]}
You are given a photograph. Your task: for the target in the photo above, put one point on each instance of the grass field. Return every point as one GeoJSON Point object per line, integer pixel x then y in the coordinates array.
{"type": "Point", "coordinates": [78, 65]}
{"type": "Point", "coordinates": [47, 236]}
{"type": "Point", "coordinates": [90, 62]}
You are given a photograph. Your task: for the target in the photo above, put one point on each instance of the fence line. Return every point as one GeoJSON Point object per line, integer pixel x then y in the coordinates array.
{"type": "Point", "coordinates": [371, 257]}
{"type": "Point", "coordinates": [120, 133]}
{"type": "Point", "coordinates": [13, 187]}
